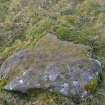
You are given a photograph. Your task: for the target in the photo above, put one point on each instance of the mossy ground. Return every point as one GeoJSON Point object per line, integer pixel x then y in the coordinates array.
{"type": "Point", "coordinates": [23, 22]}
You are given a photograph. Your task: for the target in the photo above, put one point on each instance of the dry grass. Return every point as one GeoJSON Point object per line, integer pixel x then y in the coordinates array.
{"type": "Point", "coordinates": [23, 22]}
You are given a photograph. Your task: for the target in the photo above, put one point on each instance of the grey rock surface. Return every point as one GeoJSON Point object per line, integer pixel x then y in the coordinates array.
{"type": "Point", "coordinates": [56, 65]}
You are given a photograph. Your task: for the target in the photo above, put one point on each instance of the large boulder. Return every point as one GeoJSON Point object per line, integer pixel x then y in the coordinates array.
{"type": "Point", "coordinates": [56, 65]}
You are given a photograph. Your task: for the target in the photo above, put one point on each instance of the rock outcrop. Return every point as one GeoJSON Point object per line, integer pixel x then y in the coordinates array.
{"type": "Point", "coordinates": [56, 65]}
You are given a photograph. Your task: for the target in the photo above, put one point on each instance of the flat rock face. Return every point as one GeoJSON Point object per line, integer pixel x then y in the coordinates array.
{"type": "Point", "coordinates": [56, 65]}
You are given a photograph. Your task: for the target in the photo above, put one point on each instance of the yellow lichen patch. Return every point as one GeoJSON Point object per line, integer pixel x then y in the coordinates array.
{"type": "Point", "coordinates": [91, 86]}
{"type": "Point", "coordinates": [2, 84]}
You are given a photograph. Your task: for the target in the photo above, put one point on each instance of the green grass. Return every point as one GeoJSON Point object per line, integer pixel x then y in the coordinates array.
{"type": "Point", "coordinates": [23, 22]}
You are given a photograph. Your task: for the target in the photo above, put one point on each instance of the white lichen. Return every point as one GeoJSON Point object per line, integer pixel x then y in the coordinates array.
{"type": "Point", "coordinates": [75, 83]}
{"type": "Point", "coordinates": [21, 81]}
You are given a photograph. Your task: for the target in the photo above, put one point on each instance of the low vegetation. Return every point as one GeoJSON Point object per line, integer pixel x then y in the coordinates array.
{"type": "Point", "coordinates": [23, 22]}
